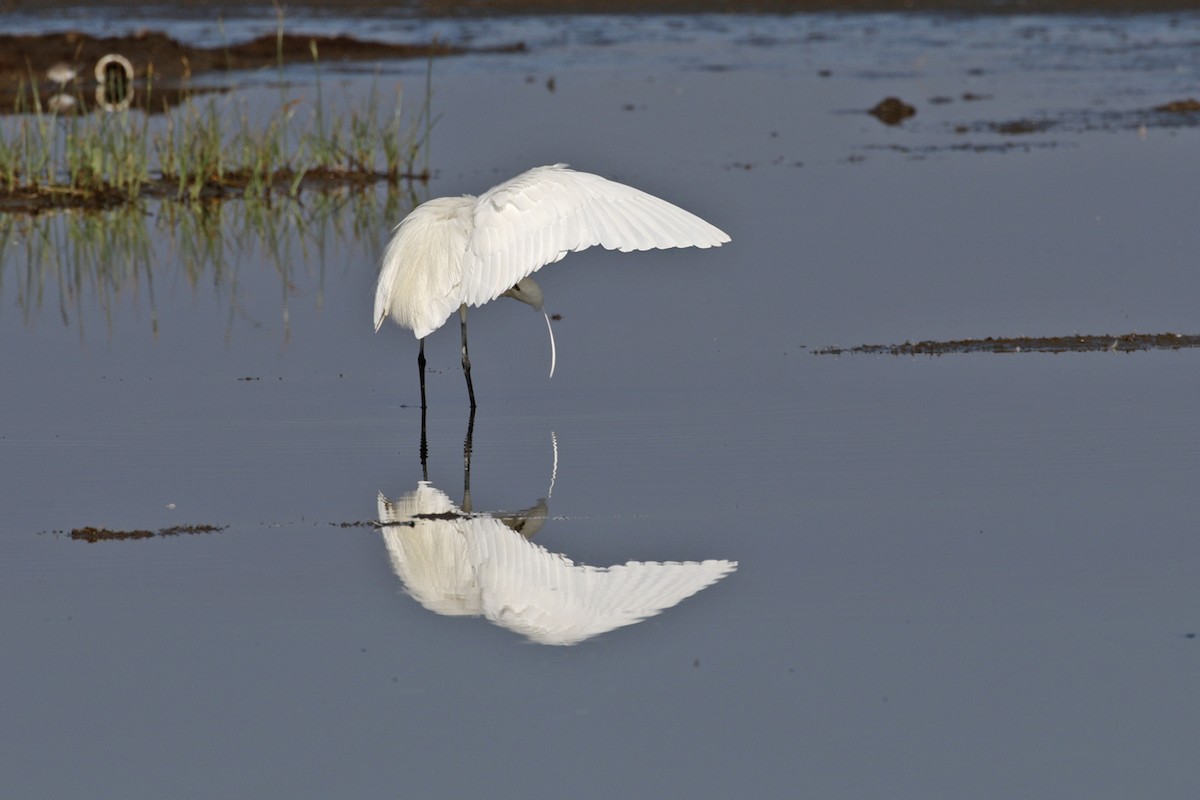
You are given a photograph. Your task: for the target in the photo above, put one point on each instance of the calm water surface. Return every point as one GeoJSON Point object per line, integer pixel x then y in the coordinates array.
{"type": "Point", "coordinates": [968, 576]}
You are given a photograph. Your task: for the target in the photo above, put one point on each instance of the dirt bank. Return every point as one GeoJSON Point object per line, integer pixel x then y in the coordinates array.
{"type": "Point", "coordinates": [30, 58]}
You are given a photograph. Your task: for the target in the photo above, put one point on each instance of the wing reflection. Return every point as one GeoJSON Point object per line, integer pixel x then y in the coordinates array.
{"type": "Point", "coordinates": [471, 564]}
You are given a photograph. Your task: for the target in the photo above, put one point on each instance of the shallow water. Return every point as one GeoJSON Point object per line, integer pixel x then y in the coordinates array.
{"type": "Point", "coordinates": [972, 575]}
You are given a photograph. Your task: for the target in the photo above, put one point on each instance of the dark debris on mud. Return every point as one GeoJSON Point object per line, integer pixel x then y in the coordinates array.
{"type": "Point", "coordinates": [1189, 106]}
{"type": "Point", "coordinates": [26, 56]}
{"type": "Point", "coordinates": [892, 111]}
{"type": "Point", "coordinates": [970, 147]}
{"type": "Point", "coordinates": [1125, 343]}
{"type": "Point", "coordinates": [35, 199]}
{"type": "Point", "coordinates": [1175, 114]}
{"type": "Point", "coordinates": [1021, 134]}
{"type": "Point", "coordinates": [92, 534]}
{"type": "Point", "coordinates": [228, 186]}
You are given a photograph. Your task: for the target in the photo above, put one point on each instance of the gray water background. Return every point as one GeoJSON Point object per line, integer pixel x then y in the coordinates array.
{"type": "Point", "coordinates": [966, 576]}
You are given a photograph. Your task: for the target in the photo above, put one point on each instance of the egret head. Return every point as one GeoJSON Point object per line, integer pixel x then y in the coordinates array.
{"type": "Point", "coordinates": [528, 292]}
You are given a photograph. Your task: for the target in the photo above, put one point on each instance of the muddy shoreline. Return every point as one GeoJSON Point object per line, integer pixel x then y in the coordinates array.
{"type": "Point", "coordinates": [28, 59]}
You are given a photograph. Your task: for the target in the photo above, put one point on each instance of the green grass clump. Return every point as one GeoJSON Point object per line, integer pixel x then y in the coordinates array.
{"type": "Point", "coordinates": [202, 148]}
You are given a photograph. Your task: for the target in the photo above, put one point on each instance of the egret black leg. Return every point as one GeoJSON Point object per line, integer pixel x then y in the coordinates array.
{"type": "Point", "coordinates": [466, 359]}
{"type": "Point", "coordinates": [424, 449]}
{"type": "Point", "coordinates": [421, 369]}
{"type": "Point", "coordinates": [466, 506]}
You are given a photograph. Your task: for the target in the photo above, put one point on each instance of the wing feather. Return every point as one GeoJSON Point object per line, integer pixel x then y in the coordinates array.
{"type": "Point", "coordinates": [459, 564]}
{"type": "Point", "coordinates": [420, 279]}
{"type": "Point", "coordinates": [541, 215]}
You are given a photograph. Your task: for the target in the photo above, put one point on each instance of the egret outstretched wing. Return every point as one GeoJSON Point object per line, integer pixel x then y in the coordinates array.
{"type": "Point", "coordinates": [541, 215]}
{"type": "Point", "coordinates": [552, 600]}
{"type": "Point", "coordinates": [475, 564]}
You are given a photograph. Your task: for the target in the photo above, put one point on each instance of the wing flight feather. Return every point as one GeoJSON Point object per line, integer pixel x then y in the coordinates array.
{"type": "Point", "coordinates": [541, 215]}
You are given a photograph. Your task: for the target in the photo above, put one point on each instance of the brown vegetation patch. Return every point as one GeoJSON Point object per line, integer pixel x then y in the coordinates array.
{"type": "Point", "coordinates": [1125, 343]}
{"type": "Point", "coordinates": [892, 111]}
{"type": "Point", "coordinates": [92, 534]}
{"type": "Point", "coordinates": [1018, 127]}
{"type": "Point", "coordinates": [1189, 106]}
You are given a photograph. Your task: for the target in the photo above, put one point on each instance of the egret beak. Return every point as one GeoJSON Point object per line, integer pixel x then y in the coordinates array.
{"type": "Point", "coordinates": [553, 352]}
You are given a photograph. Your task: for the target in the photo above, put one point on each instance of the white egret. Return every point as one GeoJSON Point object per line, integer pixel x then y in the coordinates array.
{"type": "Point", "coordinates": [460, 564]}
{"type": "Point", "coordinates": [453, 252]}
{"type": "Point", "coordinates": [61, 73]}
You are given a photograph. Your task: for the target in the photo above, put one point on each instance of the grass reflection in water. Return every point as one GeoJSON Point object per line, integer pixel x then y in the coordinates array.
{"type": "Point", "coordinates": [85, 264]}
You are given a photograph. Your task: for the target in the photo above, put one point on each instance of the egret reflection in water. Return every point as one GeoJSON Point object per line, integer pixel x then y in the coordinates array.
{"type": "Point", "coordinates": [458, 563]}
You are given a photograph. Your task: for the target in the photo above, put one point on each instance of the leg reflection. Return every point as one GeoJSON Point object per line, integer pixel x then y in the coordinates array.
{"type": "Point", "coordinates": [466, 506]}
{"type": "Point", "coordinates": [424, 448]}
{"type": "Point", "coordinates": [423, 452]}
